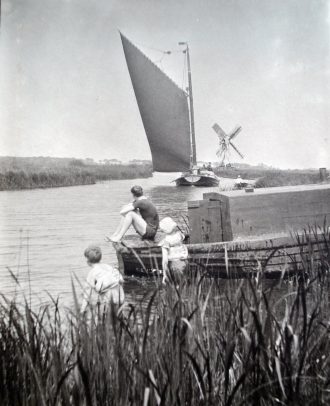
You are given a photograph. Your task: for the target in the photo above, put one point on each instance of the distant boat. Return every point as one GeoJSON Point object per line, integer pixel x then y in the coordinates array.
{"type": "Point", "coordinates": [167, 117]}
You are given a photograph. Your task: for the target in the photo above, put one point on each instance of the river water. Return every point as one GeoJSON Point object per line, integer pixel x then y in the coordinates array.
{"type": "Point", "coordinates": [44, 232]}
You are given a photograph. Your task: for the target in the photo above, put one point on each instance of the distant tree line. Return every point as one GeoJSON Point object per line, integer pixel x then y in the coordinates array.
{"type": "Point", "coordinates": [74, 172]}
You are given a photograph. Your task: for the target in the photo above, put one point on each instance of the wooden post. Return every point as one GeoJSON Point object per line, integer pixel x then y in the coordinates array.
{"type": "Point", "coordinates": [323, 174]}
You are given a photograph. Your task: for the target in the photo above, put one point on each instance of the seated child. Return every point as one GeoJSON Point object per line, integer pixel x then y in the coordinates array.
{"type": "Point", "coordinates": [103, 283]}
{"type": "Point", "coordinates": [174, 252]}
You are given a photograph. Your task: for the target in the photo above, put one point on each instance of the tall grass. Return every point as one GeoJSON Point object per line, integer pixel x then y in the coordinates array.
{"type": "Point", "coordinates": [70, 176]}
{"type": "Point", "coordinates": [283, 178]}
{"type": "Point", "coordinates": [12, 180]}
{"type": "Point", "coordinates": [196, 344]}
{"type": "Point", "coordinates": [43, 172]}
{"type": "Point", "coordinates": [272, 177]}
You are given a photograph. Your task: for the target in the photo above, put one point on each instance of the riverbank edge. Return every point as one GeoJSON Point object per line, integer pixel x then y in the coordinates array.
{"type": "Point", "coordinates": [69, 185]}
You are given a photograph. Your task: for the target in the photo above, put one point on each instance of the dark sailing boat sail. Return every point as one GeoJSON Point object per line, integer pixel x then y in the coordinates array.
{"type": "Point", "coordinates": [165, 115]}
{"type": "Point", "coordinates": [164, 111]}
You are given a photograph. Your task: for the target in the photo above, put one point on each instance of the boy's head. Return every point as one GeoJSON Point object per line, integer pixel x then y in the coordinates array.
{"type": "Point", "coordinates": [93, 254]}
{"type": "Point", "coordinates": [137, 191]}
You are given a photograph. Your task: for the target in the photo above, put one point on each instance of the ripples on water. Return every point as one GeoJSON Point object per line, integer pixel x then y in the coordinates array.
{"type": "Point", "coordinates": [43, 232]}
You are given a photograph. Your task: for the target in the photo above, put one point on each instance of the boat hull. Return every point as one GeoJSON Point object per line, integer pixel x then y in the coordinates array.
{"type": "Point", "coordinates": [274, 257]}
{"type": "Point", "coordinates": [203, 180]}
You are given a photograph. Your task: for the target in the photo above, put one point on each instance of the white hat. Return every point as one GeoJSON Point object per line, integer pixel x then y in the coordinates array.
{"type": "Point", "coordinates": [167, 225]}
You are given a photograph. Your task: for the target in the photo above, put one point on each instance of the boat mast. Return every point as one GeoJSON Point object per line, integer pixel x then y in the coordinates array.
{"type": "Point", "coordinates": [191, 107]}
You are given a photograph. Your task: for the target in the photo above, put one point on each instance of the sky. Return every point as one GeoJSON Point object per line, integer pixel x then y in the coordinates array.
{"type": "Point", "coordinates": [65, 90]}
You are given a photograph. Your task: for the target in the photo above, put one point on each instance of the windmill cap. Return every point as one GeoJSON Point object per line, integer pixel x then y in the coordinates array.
{"type": "Point", "coordinates": [167, 225]}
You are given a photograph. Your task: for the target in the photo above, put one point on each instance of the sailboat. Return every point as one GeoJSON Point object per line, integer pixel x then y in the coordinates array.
{"type": "Point", "coordinates": [167, 113]}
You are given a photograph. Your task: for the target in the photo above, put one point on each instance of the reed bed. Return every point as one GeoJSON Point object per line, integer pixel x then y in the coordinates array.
{"type": "Point", "coordinates": [193, 344]}
{"type": "Point", "coordinates": [73, 174]}
{"type": "Point", "coordinates": [287, 178]}
{"type": "Point", "coordinates": [269, 177]}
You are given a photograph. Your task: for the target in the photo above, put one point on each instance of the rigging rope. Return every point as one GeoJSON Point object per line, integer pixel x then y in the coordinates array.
{"type": "Point", "coordinates": [169, 52]}
{"type": "Point", "coordinates": [184, 71]}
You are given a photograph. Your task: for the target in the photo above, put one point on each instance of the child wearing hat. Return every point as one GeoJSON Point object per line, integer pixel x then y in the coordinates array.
{"type": "Point", "coordinates": [174, 252]}
{"type": "Point", "coordinates": [103, 283]}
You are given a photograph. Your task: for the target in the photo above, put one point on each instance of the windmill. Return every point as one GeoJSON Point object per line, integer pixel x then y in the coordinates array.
{"type": "Point", "coordinates": [225, 142]}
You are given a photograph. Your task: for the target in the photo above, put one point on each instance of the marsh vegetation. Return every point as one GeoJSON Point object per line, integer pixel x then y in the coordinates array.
{"type": "Point", "coordinates": [195, 345]}
{"type": "Point", "coordinates": [270, 177]}
{"type": "Point", "coordinates": [31, 173]}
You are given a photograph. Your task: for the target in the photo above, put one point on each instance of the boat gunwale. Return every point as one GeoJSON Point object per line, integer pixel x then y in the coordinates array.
{"type": "Point", "coordinates": [259, 243]}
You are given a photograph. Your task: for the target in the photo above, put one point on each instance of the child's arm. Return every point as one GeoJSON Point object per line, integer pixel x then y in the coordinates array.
{"type": "Point", "coordinates": [86, 293]}
{"type": "Point", "coordinates": [120, 276]}
{"type": "Point", "coordinates": [86, 296]}
{"type": "Point", "coordinates": [164, 264]}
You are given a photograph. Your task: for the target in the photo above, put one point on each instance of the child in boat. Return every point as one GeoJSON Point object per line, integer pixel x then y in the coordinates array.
{"type": "Point", "coordinates": [174, 252]}
{"type": "Point", "coordinates": [103, 283]}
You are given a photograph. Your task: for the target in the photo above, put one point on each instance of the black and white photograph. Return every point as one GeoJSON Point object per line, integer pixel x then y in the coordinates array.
{"type": "Point", "coordinates": [164, 202]}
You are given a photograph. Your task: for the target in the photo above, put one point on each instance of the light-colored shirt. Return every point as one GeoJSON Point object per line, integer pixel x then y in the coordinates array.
{"type": "Point", "coordinates": [173, 243]}
{"type": "Point", "coordinates": [101, 280]}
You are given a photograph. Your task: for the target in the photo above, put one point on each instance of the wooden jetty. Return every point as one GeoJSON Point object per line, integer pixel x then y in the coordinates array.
{"type": "Point", "coordinates": [236, 234]}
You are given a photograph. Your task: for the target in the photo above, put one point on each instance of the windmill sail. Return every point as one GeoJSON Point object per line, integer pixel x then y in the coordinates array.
{"type": "Point", "coordinates": [164, 111]}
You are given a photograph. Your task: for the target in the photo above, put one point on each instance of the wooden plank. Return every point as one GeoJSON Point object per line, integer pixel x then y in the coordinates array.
{"type": "Point", "coordinates": [288, 211]}
{"type": "Point", "coordinates": [269, 210]}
